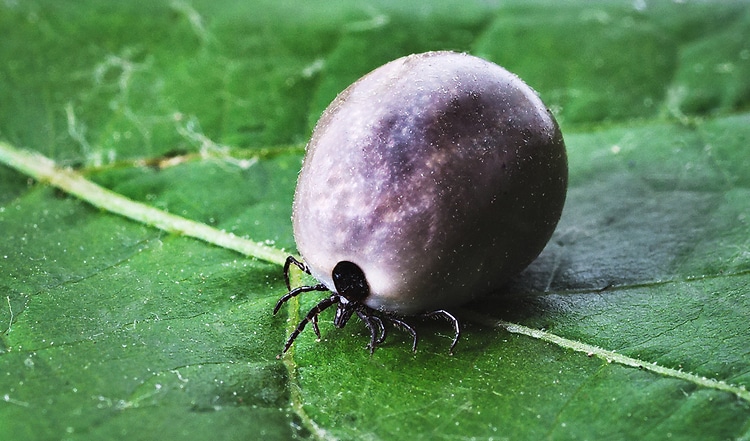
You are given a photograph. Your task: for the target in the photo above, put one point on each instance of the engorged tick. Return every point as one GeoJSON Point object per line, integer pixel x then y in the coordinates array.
{"type": "Point", "coordinates": [427, 183]}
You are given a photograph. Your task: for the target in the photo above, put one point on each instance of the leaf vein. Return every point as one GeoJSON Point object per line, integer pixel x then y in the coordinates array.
{"type": "Point", "coordinates": [612, 356]}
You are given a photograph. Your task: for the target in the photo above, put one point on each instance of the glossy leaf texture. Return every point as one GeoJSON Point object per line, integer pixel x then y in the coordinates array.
{"type": "Point", "coordinates": [632, 324]}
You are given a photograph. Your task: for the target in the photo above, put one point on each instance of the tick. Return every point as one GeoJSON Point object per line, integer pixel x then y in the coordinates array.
{"type": "Point", "coordinates": [427, 183]}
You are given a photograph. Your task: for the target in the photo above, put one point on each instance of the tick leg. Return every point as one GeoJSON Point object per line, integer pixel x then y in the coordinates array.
{"type": "Point", "coordinates": [406, 327]}
{"type": "Point", "coordinates": [381, 327]}
{"type": "Point", "coordinates": [442, 313]}
{"type": "Point", "coordinates": [292, 261]}
{"type": "Point", "coordinates": [315, 326]}
{"type": "Point", "coordinates": [310, 317]}
{"type": "Point", "coordinates": [368, 319]}
{"type": "Point", "coordinates": [297, 291]}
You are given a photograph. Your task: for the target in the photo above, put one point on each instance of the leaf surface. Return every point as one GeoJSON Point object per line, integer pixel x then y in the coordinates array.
{"type": "Point", "coordinates": [632, 324]}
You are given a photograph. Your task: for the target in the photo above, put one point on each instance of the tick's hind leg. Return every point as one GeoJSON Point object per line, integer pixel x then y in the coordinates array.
{"type": "Point", "coordinates": [450, 318]}
{"type": "Point", "coordinates": [406, 327]}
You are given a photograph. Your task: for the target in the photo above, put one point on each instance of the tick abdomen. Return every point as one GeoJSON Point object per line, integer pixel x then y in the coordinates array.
{"type": "Point", "coordinates": [440, 175]}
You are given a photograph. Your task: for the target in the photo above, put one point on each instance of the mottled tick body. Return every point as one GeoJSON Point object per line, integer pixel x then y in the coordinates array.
{"type": "Point", "coordinates": [427, 183]}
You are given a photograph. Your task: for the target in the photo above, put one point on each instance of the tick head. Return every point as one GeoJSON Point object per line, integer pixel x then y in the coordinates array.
{"type": "Point", "coordinates": [352, 289]}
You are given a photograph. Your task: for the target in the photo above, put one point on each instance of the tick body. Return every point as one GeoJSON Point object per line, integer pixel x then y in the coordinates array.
{"type": "Point", "coordinates": [427, 183]}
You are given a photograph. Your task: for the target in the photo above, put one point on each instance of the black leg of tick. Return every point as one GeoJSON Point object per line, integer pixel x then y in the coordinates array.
{"type": "Point", "coordinates": [381, 327]}
{"type": "Point", "coordinates": [297, 291]}
{"type": "Point", "coordinates": [292, 261]}
{"type": "Point", "coordinates": [315, 326]}
{"type": "Point", "coordinates": [441, 313]}
{"type": "Point", "coordinates": [406, 327]}
{"type": "Point", "coordinates": [373, 323]}
{"type": "Point", "coordinates": [310, 317]}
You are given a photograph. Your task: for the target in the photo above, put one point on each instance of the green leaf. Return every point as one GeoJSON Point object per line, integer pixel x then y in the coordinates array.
{"type": "Point", "coordinates": [139, 270]}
